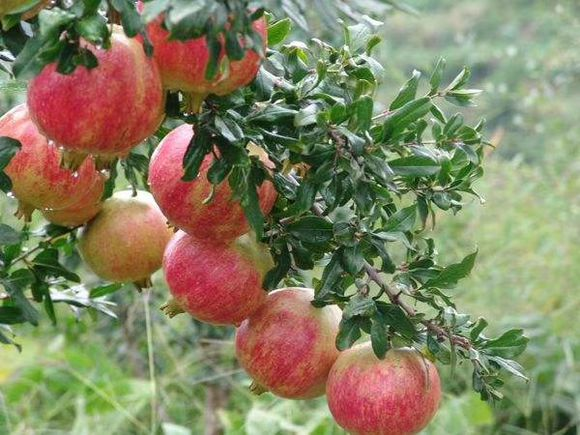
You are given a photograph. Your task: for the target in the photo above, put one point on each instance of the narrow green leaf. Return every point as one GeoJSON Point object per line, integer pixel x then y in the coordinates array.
{"type": "Point", "coordinates": [403, 220]}
{"type": "Point", "coordinates": [449, 276]}
{"type": "Point", "coordinates": [279, 31]}
{"type": "Point", "coordinates": [414, 166]}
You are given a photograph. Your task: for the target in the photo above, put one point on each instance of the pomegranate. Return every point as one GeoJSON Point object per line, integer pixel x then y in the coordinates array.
{"type": "Point", "coordinates": [398, 395]}
{"type": "Point", "coordinates": [126, 241]}
{"type": "Point", "coordinates": [219, 221]}
{"type": "Point", "coordinates": [38, 181]}
{"type": "Point", "coordinates": [8, 7]}
{"type": "Point", "coordinates": [288, 345]}
{"type": "Point", "coordinates": [215, 283]}
{"type": "Point", "coordinates": [105, 111]}
{"type": "Point", "coordinates": [81, 212]}
{"type": "Point", "coordinates": [183, 64]}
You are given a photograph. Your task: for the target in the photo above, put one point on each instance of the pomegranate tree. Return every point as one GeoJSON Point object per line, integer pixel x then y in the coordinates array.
{"type": "Point", "coordinates": [80, 111]}
{"type": "Point", "coordinates": [398, 395]}
{"type": "Point", "coordinates": [183, 65]}
{"type": "Point", "coordinates": [215, 283]}
{"type": "Point", "coordinates": [38, 181]}
{"type": "Point", "coordinates": [288, 345]}
{"type": "Point", "coordinates": [80, 212]}
{"type": "Point", "coordinates": [358, 184]}
{"type": "Point", "coordinates": [191, 205]}
{"type": "Point", "coordinates": [126, 241]}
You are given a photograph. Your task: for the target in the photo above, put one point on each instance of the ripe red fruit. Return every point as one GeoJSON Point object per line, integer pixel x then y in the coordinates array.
{"type": "Point", "coordinates": [183, 64]}
{"type": "Point", "coordinates": [83, 112]}
{"type": "Point", "coordinates": [8, 7]}
{"type": "Point", "coordinates": [81, 212]}
{"type": "Point", "coordinates": [126, 241]}
{"type": "Point", "coordinates": [221, 220]}
{"type": "Point", "coordinates": [38, 181]}
{"type": "Point", "coordinates": [398, 395]}
{"type": "Point", "coordinates": [217, 284]}
{"type": "Point", "coordinates": [288, 345]}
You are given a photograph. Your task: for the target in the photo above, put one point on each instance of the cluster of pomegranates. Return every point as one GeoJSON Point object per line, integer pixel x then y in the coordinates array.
{"type": "Point", "coordinates": [286, 345]}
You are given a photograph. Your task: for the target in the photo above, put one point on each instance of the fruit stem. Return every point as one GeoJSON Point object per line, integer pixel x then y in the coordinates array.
{"type": "Point", "coordinates": [24, 211]}
{"type": "Point", "coordinates": [143, 283]}
{"type": "Point", "coordinates": [105, 162]}
{"type": "Point", "coordinates": [193, 102]}
{"type": "Point", "coordinates": [172, 308]}
{"type": "Point", "coordinates": [257, 389]}
{"type": "Point", "coordinates": [71, 160]}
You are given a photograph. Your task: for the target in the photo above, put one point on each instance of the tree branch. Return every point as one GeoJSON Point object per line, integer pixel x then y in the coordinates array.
{"type": "Point", "coordinates": [395, 299]}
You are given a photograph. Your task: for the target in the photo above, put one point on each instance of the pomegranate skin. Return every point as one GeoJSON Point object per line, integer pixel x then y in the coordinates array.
{"type": "Point", "coordinates": [10, 6]}
{"type": "Point", "coordinates": [217, 284]}
{"type": "Point", "coordinates": [288, 345]}
{"type": "Point", "coordinates": [395, 396]}
{"type": "Point", "coordinates": [126, 241]}
{"type": "Point", "coordinates": [38, 181]}
{"type": "Point", "coordinates": [83, 112]}
{"type": "Point", "coordinates": [81, 212]}
{"type": "Point", "coordinates": [220, 221]}
{"type": "Point", "coordinates": [183, 64]}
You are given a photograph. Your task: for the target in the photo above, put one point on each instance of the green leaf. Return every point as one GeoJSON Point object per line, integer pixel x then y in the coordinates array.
{"type": "Point", "coordinates": [8, 235]}
{"type": "Point", "coordinates": [509, 345]}
{"type": "Point", "coordinates": [11, 316]}
{"type": "Point", "coordinates": [414, 166]}
{"type": "Point", "coordinates": [47, 264]}
{"type": "Point", "coordinates": [379, 338]}
{"type": "Point", "coordinates": [461, 79]}
{"type": "Point", "coordinates": [360, 305]}
{"type": "Point", "coordinates": [395, 317]}
{"type": "Point", "coordinates": [403, 220]}
{"type": "Point", "coordinates": [130, 19]}
{"type": "Point", "coordinates": [283, 262]}
{"type": "Point", "coordinates": [103, 290]}
{"type": "Point", "coordinates": [353, 259]}
{"type": "Point", "coordinates": [364, 112]}
{"type": "Point", "coordinates": [198, 148]}
{"type": "Point", "coordinates": [348, 333]}
{"type": "Point", "coordinates": [330, 276]}
{"type": "Point", "coordinates": [407, 92]}
{"type": "Point", "coordinates": [312, 229]}
{"type": "Point", "coordinates": [15, 285]}
{"type": "Point", "coordinates": [279, 31]}
{"type": "Point", "coordinates": [450, 275]}
{"type": "Point", "coordinates": [511, 366]}
{"type": "Point", "coordinates": [396, 122]}
{"type": "Point", "coordinates": [437, 74]}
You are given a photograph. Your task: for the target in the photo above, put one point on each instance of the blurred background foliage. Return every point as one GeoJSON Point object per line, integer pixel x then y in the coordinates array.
{"type": "Point", "coordinates": [93, 376]}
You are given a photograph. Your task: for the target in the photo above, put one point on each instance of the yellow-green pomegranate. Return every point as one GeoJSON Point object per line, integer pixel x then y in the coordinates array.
{"type": "Point", "coordinates": [27, 7]}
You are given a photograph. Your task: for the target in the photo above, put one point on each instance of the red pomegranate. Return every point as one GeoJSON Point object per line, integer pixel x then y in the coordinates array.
{"type": "Point", "coordinates": [183, 64]}
{"type": "Point", "coordinates": [38, 181]}
{"type": "Point", "coordinates": [105, 111]}
{"type": "Point", "coordinates": [288, 345]}
{"type": "Point", "coordinates": [398, 395]}
{"type": "Point", "coordinates": [215, 283]}
{"type": "Point", "coordinates": [126, 241]}
{"type": "Point", "coordinates": [81, 212]}
{"type": "Point", "coordinates": [221, 220]}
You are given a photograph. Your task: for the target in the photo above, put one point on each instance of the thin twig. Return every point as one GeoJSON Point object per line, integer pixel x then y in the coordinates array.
{"type": "Point", "coordinates": [395, 299]}
{"type": "Point", "coordinates": [41, 246]}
